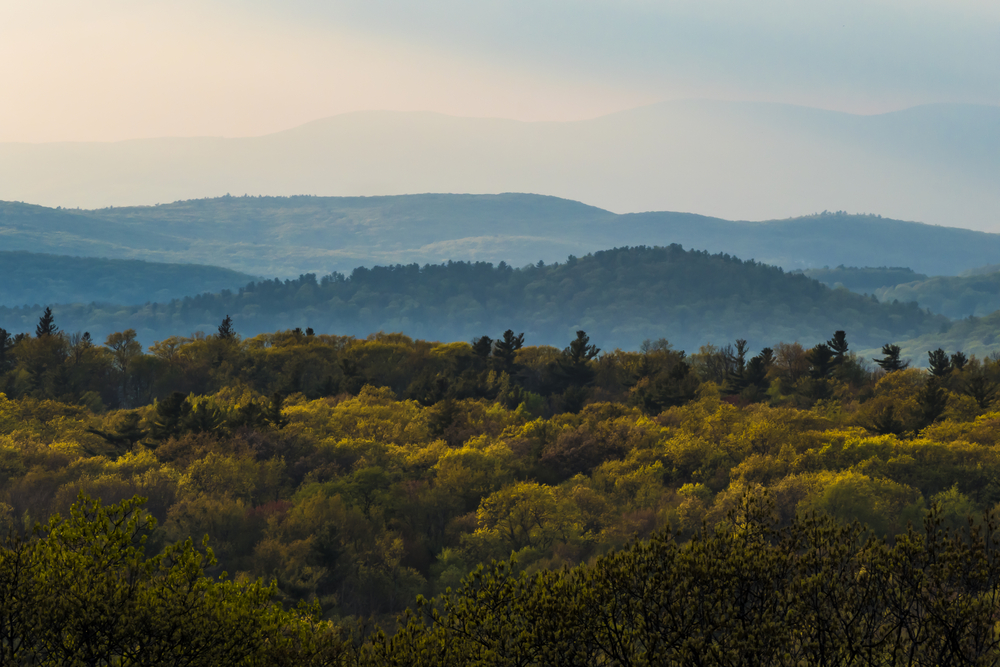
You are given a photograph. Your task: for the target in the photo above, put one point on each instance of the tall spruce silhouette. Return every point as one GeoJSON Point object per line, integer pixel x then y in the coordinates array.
{"type": "Point", "coordinates": [45, 324]}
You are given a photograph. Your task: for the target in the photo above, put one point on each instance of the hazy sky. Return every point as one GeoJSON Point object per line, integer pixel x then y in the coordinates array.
{"type": "Point", "coordinates": [117, 69]}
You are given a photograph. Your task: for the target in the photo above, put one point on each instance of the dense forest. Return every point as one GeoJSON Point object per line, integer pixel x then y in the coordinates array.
{"type": "Point", "coordinates": [515, 497]}
{"type": "Point", "coordinates": [288, 236]}
{"type": "Point", "coordinates": [34, 278]}
{"type": "Point", "coordinates": [620, 297]}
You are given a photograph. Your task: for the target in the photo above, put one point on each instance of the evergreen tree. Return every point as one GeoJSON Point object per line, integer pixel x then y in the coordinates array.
{"type": "Point", "coordinates": [5, 344]}
{"type": "Point", "coordinates": [572, 372]}
{"type": "Point", "coordinates": [45, 324]}
{"type": "Point", "coordinates": [958, 360]}
{"type": "Point", "coordinates": [226, 331]}
{"type": "Point", "coordinates": [125, 436]}
{"type": "Point", "coordinates": [581, 351]}
{"type": "Point", "coordinates": [891, 361]}
{"type": "Point", "coordinates": [821, 360]}
{"type": "Point", "coordinates": [273, 412]}
{"type": "Point", "coordinates": [740, 364]}
{"type": "Point", "coordinates": [981, 389]}
{"type": "Point", "coordinates": [939, 363]}
{"type": "Point", "coordinates": [505, 349]}
{"type": "Point", "coordinates": [839, 346]}
{"type": "Point", "coordinates": [757, 368]}
{"type": "Point", "coordinates": [932, 400]}
{"type": "Point", "coordinates": [482, 346]}
{"type": "Point", "coordinates": [170, 416]}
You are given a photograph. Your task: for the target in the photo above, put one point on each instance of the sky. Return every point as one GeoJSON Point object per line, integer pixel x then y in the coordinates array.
{"type": "Point", "coordinates": [109, 70]}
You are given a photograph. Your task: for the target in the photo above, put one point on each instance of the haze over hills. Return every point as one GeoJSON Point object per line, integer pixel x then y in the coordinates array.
{"type": "Point", "coordinates": [953, 296]}
{"type": "Point", "coordinates": [864, 280]}
{"type": "Point", "coordinates": [738, 160]}
{"type": "Point", "coordinates": [286, 237]}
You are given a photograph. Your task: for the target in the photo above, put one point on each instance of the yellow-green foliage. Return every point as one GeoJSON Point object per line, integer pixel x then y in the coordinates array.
{"type": "Point", "coordinates": [364, 499]}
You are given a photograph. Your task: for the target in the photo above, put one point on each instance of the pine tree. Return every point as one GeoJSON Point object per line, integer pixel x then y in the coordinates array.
{"type": "Point", "coordinates": [45, 324]}
{"type": "Point", "coordinates": [505, 348]}
{"type": "Point", "coordinates": [821, 360]}
{"type": "Point", "coordinates": [933, 400]}
{"type": "Point", "coordinates": [958, 360]}
{"type": "Point", "coordinates": [981, 389]}
{"type": "Point", "coordinates": [273, 411]}
{"type": "Point", "coordinates": [939, 363]}
{"type": "Point", "coordinates": [482, 346]}
{"type": "Point", "coordinates": [5, 344]}
{"type": "Point", "coordinates": [891, 361]}
{"type": "Point", "coordinates": [839, 346]}
{"type": "Point", "coordinates": [226, 331]}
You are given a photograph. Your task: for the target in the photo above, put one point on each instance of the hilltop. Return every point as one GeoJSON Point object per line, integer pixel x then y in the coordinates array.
{"type": "Point", "coordinates": [621, 297]}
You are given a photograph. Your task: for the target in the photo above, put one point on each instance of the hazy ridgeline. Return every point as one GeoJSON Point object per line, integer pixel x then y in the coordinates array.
{"type": "Point", "coordinates": [288, 236]}
{"type": "Point", "coordinates": [739, 160]}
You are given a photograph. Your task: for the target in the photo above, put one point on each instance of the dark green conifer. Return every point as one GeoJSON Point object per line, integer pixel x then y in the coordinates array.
{"type": "Point", "coordinates": [226, 331]}
{"type": "Point", "coordinates": [939, 363]}
{"type": "Point", "coordinates": [45, 324]}
{"type": "Point", "coordinates": [891, 361]}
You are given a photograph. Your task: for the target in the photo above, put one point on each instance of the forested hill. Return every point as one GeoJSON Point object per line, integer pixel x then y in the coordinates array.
{"type": "Point", "coordinates": [954, 296]}
{"type": "Point", "coordinates": [289, 236]}
{"type": "Point", "coordinates": [865, 280]}
{"type": "Point", "coordinates": [35, 278]}
{"type": "Point", "coordinates": [620, 297]}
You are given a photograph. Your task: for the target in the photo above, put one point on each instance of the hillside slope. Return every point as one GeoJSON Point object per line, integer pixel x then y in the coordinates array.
{"type": "Point", "coordinates": [953, 296]}
{"type": "Point", "coordinates": [33, 278]}
{"type": "Point", "coordinates": [864, 280]}
{"type": "Point", "coordinates": [285, 237]}
{"type": "Point", "coordinates": [620, 297]}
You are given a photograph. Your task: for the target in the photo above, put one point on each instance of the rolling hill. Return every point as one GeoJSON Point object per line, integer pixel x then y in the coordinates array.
{"type": "Point", "coordinates": [864, 280]}
{"type": "Point", "coordinates": [289, 236]}
{"type": "Point", "coordinates": [620, 297]}
{"type": "Point", "coordinates": [34, 278]}
{"type": "Point", "coordinates": [954, 296]}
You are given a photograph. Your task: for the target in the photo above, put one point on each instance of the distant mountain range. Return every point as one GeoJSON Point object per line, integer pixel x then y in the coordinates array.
{"type": "Point", "coordinates": [737, 160]}
{"type": "Point", "coordinates": [286, 237]}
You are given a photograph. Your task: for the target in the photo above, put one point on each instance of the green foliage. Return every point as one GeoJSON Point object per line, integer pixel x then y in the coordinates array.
{"type": "Point", "coordinates": [748, 592]}
{"type": "Point", "coordinates": [397, 466]}
{"type": "Point", "coordinates": [83, 592]}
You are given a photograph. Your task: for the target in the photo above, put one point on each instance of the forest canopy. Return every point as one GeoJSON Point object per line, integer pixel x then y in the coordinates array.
{"type": "Point", "coordinates": [507, 494]}
{"type": "Point", "coordinates": [621, 297]}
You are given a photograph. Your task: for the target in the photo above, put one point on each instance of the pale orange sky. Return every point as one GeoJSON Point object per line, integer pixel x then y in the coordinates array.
{"type": "Point", "coordinates": [114, 69]}
{"type": "Point", "coordinates": [156, 70]}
